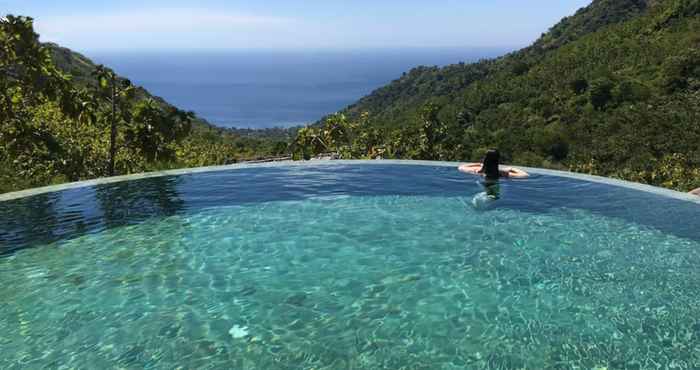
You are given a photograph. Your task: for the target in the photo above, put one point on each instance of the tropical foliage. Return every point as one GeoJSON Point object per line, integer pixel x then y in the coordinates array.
{"type": "Point", "coordinates": [613, 90]}
{"type": "Point", "coordinates": [64, 119]}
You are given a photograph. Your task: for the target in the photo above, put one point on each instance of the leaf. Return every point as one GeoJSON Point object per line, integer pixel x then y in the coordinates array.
{"type": "Point", "coordinates": [16, 99]}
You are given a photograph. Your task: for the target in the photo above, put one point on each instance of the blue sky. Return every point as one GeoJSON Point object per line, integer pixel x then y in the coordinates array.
{"type": "Point", "coordinates": [92, 25]}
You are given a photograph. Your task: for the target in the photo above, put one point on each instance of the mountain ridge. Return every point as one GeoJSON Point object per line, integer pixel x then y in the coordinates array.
{"type": "Point", "coordinates": [599, 14]}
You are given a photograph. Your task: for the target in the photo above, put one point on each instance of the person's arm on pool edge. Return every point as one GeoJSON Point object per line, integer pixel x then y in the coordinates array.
{"type": "Point", "coordinates": [509, 172]}
{"type": "Point", "coordinates": [514, 173]}
{"type": "Point", "coordinates": [473, 168]}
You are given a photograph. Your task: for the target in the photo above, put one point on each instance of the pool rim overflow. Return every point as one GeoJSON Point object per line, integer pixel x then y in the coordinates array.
{"type": "Point", "coordinates": [314, 163]}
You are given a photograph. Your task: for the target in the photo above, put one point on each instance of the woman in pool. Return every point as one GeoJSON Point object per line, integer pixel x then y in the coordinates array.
{"type": "Point", "coordinates": [491, 170]}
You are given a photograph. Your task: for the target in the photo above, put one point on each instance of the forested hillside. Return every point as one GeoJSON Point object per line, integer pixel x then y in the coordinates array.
{"type": "Point", "coordinates": [56, 115]}
{"type": "Point", "coordinates": [613, 90]}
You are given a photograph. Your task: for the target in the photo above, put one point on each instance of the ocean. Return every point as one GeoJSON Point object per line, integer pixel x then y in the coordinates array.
{"type": "Point", "coordinates": [262, 89]}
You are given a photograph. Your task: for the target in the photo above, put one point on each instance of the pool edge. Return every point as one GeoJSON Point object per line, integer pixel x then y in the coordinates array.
{"type": "Point", "coordinates": [187, 171]}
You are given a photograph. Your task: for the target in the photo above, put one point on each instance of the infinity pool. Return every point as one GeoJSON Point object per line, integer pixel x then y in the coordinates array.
{"type": "Point", "coordinates": [349, 266]}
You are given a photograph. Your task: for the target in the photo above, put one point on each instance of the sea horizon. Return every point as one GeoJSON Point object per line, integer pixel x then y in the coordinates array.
{"type": "Point", "coordinates": [258, 89]}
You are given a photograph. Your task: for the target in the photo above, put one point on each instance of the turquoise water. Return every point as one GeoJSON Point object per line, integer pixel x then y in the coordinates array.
{"type": "Point", "coordinates": [356, 281]}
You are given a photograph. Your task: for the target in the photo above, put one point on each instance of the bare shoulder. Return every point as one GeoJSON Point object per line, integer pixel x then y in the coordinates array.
{"type": "Point", "coordinates": [470, 168]}
{"type": "Point", "coordinates": [695, 192]}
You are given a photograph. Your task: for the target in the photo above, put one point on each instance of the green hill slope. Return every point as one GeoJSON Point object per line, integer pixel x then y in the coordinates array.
{"type": "Point", "coordinates": [612, 90]}
{"type": "Point", "coordinates": [81, 69]}
{"type": "Point", "coordinates": [424, 83]}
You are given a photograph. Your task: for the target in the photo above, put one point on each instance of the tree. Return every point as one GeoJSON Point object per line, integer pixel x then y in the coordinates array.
{"type": "Point", "coordinates": [601, 93]}
{"type": "Point", "coordinates": [433, 132]}
{"type": "Point", "coordinates": [116, 92]}
{"type": "Point", "coordinates": [336, 132]}
{"type": "Point", "coordinates": [579, 86]}
{"type": "Point", "coordinates": [152, 130]}
{"type": "Point", "coordinates": [28, 81]}
{"type": "Point", "coordinates": [367, 140]}
{"type": "Point", "coordinates": [307, 143]}
{"type": "Point", "coordinates": [677, 71]}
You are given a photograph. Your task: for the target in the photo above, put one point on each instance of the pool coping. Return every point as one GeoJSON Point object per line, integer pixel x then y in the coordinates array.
{"type": "Point", "coordinates": [188, 171]}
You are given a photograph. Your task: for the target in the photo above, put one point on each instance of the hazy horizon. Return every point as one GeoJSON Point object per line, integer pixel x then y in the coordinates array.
{"type": "Point", "coordinates": [218, 25]}
{"type": "Point", "coordinates": [273, 89]}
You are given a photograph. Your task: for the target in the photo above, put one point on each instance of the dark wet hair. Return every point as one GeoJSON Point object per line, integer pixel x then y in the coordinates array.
{"type": "Point", "coordinates": [490, 164]}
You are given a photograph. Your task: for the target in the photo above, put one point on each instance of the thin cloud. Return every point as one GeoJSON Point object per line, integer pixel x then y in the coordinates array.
{"type": "Point", "coordinates": [154, 21]}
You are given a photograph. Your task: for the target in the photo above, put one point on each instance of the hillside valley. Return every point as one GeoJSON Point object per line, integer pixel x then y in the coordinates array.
{"type": "Point", "coordinates": [612, 90]}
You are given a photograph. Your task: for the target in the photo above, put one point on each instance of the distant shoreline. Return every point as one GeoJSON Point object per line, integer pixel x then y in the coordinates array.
{"type": "Point", "coordinates": [274, 89]}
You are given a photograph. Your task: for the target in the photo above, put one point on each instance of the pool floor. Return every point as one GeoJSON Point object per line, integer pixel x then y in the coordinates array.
{"type": "Point", "coordinates": [383, 282]}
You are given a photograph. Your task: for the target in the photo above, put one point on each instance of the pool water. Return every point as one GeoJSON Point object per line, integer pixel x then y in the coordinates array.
{"type": "Point", "coordinates": [349, 267]}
